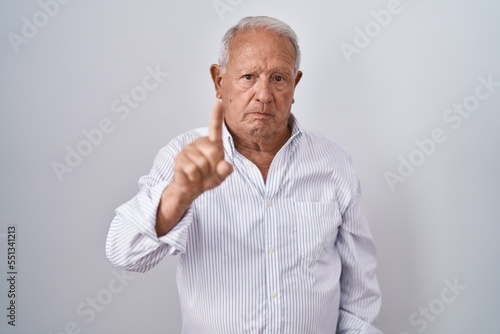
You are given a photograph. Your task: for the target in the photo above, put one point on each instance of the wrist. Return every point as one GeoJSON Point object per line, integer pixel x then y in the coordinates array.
{"type": "Point", "coordinates": [179, 195]}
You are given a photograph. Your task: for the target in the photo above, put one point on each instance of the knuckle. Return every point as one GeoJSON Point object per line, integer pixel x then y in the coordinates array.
{"type": "Point", "coordinates": [196, 142]}
{"type": "Point", "coordinates": [200, 142]}
{"type": "Point", "coordinates": [204, 164]}
{"type": "Point", "coordinates": [180, 160]}
{"type": "Point", "coordinates": [190, 169]}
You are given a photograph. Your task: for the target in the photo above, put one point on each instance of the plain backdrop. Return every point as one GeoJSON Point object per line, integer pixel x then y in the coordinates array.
{"type": "Point", "coordinates": [437, 225]}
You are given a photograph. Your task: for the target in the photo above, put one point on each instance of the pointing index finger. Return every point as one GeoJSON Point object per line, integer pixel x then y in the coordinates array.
{"type": "Point", "coordinates": [215, 127]}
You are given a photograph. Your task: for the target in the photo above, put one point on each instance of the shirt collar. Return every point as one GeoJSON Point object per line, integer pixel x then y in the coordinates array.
{"type": "Point", "coordinates": [294, 124]}
{"type": "Point", "coordinates": [228, 141]}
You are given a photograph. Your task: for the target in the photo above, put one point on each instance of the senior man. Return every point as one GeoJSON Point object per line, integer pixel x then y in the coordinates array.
{"type": "Point", "coordinates": [266, 217]}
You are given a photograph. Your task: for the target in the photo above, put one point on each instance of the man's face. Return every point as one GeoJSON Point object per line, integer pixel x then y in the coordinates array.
{"type": "Point", "coordinates": [258, 85]}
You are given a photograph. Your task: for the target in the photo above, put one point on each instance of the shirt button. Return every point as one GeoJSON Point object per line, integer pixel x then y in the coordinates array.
{"type": "Point", "coordinates": [273, 295]}
{"type": "Point", "coordinates": [268, 203]}
{"type": "Point", "coordinates": [271, 250]}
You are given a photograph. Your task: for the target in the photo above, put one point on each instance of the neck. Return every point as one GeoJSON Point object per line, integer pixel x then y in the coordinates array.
{"type": "Point", "coordinates": [269, 146]}
{"type": "Point", "coordinates": [261, 151]}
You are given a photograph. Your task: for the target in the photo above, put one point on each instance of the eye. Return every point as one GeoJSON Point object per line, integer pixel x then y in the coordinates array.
{"type": "Point", "coordinates": [279, 78]}
{"type": "Point", "coordinates": [248, 76]}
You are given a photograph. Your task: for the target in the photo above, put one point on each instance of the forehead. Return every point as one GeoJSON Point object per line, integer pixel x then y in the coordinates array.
{"type": "Point", "coordinates": [251, 47]}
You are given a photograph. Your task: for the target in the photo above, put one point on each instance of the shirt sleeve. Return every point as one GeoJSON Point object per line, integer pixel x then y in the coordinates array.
{"type": "Point", "coordinates": [360, 298]}
{"type": "Point", "coordinates": [132, 243]}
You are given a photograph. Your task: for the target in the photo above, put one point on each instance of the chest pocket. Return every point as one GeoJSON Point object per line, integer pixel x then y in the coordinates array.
{"type": "Point", "coordinates": [316, 228]}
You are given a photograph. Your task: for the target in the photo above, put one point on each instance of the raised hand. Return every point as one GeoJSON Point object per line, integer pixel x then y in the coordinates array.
{"type": "Point", "coordinates": [199, 167]}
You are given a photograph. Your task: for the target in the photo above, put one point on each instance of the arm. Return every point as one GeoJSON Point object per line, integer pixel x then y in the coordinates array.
{"type": "Point", "coordinates": [199, 167]}
{"type": "Point", "coordinates": [360, 293]}
{"type": "Point", "coordinates": [156, 221]}
{"type": "Point", "coordinates": [133, 243]}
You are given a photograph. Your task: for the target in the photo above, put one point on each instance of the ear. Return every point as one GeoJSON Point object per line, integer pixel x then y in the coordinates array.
{"type": "Point", "coordinates": [216, 73]}
{"type": "Point", "coordinates": [297, 78]}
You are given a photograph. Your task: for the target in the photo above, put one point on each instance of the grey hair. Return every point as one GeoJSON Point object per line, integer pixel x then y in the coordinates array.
{"type": "Point", "coordinates": [254, 23]}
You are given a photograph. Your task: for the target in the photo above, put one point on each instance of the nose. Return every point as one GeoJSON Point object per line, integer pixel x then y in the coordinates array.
{"type": "Point", "coordinates": [263, 92]}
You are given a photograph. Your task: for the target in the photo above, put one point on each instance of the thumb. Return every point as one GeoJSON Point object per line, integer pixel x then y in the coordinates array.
{"type": "Point", "coordinates": [224, 169]}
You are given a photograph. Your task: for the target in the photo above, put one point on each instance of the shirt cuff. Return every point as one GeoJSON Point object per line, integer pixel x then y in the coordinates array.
{"type": "Point", "coordinates": [177, 237]}
{"type": "Point", "coordinates": [141, 212]}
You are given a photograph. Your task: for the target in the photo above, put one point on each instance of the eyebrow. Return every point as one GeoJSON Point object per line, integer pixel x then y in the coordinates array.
{"type": "Point", "coordinates": [272, 70]}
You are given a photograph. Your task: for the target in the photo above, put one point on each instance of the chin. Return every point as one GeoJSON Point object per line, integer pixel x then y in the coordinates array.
{"type": "Point", "coordinates": [262, 131]}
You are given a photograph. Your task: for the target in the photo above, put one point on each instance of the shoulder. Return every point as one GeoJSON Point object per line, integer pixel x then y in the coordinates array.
{"type": "Point", "coordinates": [320, 152]}
{"type": "Point", "coordinates": [324, 145]}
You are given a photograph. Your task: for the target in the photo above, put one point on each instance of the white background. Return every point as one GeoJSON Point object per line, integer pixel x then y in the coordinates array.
{"type": "Point", "coordinates": [440, 224]}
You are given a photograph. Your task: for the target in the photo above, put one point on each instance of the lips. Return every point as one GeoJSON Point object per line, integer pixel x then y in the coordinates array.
{"type": "Point", "coordinates": [262, 114]}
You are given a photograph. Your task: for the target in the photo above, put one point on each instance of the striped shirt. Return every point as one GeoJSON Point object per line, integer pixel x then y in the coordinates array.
{"type": "Point", "coordinates": [290, 255]}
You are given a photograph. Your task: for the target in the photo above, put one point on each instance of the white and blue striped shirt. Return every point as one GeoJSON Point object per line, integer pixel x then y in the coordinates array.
{"type": "Point", "coordinates": [290, 255]}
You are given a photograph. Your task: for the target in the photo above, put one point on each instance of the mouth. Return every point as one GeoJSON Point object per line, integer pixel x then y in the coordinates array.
{"type": "Point", "coordinates": [260, 114]}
